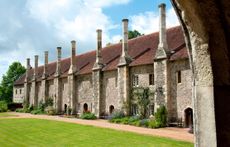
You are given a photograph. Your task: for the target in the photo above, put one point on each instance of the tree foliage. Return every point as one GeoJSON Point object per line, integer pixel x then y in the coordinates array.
{"type": "Point", "coordinates": [143, 99]}
{"type": "Point", "coordinates": [134, 34]}
{"type": "Point", "coordinates": [6, 87]}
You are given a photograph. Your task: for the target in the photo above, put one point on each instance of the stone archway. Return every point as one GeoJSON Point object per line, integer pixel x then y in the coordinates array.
{"type": "Point", "coordinates": [65, 108]}
{"type": "Point", "coordinates": [111, 109]}
{"type": "Point", "coordinates": [188, 117]}
{"type": "Point", "coordinates": [206, 28]}
{"type": "Point", "coordinates": [85, 107]}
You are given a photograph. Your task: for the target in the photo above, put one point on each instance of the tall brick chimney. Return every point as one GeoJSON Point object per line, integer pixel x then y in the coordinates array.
{"type": "Point", "coordinates": [46, 60]}
{"type": "Point", "coordinates": [58, 66]}
{"type": "Point", "coordinates": [35, 66]}
{"type": "Point", "coordinates": [72, 60]}
{"type": "Point", "coordinates": [27, 68]}
{"type": "Point", "coordinates": [98, 64]}
{"type": "Point", "coordinates": [162, 28]}
{"type": "Point", "coordinates": [125, 58]}
{"type": "Point", "coordinates": [125, 37]}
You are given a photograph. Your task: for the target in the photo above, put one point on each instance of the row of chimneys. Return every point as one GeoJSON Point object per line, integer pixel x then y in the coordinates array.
{"type": "Point", "coordinates": [162, 43]}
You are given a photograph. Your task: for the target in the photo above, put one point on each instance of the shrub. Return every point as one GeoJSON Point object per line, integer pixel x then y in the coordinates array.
{"type": "Point", "coordinates": [161, 117]}
{"type": "Point", "coordinates": [49, 102]}
{"type": "Point", "coordinates": [37, 111]}
{"type": "Point", "coordinates": [117, 114]}
{"type": "Point", "coordinates": [153, 124]}
{"type": "Point", "coordinates": [134, 120]}
{"type": "Point", "coordinates": [144, 122]}
{"type": "Point", "coordinates": [29, 109]}
{"type": "Point", "coordinates": [3, 106]}
{"type": "Point", "coordinates": [88, 115]}
{"type": "Point", "coordinates": [125, 120]}
{"type": "Point", "coordinates": [115, 120]}
{"type": "Point", "coordinates": [21, 110]}
{"type": "Point", "coordinates": [50, 110]}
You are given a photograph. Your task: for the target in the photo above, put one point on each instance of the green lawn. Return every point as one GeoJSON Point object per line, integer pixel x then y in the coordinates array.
{"type": "Point", "coordinates": [35, 132]}
{"type": "Point", "coordinates": [5, 114]}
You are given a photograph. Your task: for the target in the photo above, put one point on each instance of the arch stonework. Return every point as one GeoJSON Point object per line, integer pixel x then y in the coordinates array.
{"type": "Point", "coordinates": [206, 26]}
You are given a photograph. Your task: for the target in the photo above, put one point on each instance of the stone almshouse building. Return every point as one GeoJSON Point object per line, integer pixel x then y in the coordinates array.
{"type": "Point", "coordinates": [101, 81]}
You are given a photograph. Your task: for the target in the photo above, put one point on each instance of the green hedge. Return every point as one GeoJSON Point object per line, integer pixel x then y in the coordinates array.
{"type": "Point", "coordinates": [88, 115]}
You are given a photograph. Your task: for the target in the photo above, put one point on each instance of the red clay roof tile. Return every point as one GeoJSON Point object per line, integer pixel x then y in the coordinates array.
{"type": "Point", "coordinates": [142, 49]}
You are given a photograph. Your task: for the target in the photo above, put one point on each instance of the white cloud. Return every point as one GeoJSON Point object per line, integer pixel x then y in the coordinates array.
{"type": "Point", "coordinates": [30, 27]}
{"type": "Point", "coordinates": [148, 22]}
{"type": "Point", "coordinates": [105, 3]}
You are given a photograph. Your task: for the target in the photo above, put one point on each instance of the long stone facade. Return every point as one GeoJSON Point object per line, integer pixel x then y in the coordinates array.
{"type": "Point", "coordinates": [101, 81]}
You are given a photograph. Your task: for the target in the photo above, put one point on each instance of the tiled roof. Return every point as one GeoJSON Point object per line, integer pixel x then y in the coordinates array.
{"type": "Point", "coordinates": [142, 49]}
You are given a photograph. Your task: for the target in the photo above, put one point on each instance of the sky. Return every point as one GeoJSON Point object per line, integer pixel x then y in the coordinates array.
{"type": "Point", "coordinates": [30, 27]}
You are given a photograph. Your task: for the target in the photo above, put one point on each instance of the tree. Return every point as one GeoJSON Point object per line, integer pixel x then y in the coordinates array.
{"type": "Point", "coordinates": [143, 99]}
{"type": "Point", "coordinates": [6, 87]}
{"type": "Point", "coordinates": [134, 34]}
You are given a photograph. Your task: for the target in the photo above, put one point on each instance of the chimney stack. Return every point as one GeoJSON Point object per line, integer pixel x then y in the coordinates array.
{"type": "Point", "coordinates": [99, 46]}
{"type": "Point", "coordinates": [58, 66]}
{"type": "Point", "coordinates": [125, 37]}
{"type": "Point", "coordinates": [73, 53]}
{"type": "Point", "coordinates": [98, 64]}
{"type": "Point", "coordinates": [45, 64]}
{"type": "Point", "coordinates": [27, 67]}
{"type": "Point", "coordinates": [28, 63]}
{"type": "Point", "coordinates": [125, 58]}
{"type": "Point", "coordinates": [162, 28]}
{"type": "Point", "coordinates": [35, 65]}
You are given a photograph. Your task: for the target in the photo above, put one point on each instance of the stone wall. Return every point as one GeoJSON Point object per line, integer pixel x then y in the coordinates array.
{"type": "Point", "coordinates": [180, 93]}
{"type": "Point", "coordinates": [143, 74]}
{"type": "Point", "coordinates": [19, 95]}
{"type": "Point", "coordinates": [84, 92]}
{"type": "Point", "coordinates": [39, 91]}
{"type": "Point", "coordinates": [110, 90]}
{"type": "Point", "coordinates": [51, 91]}
{"type": "Point", "coordinates": [64, 93]}
{"type": "Point", "coordinates": [161, 81]}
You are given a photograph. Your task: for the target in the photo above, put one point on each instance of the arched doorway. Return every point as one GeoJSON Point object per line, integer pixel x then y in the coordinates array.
{"type": "Point", "coordinates": [85, 107]}
{"type": "Point", "coordinates": [111, 109]}
{"type": "Point", "coordinates": [65, 108]}
{"type": "Point", "coordinates": [188, 117]}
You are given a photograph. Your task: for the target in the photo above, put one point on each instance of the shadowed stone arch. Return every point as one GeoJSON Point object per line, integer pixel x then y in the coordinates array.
{"type": "Point", "coordinates": [111, 109]}
{"type": "Point", "coordinates": [188, 117]}
{"type": "Point", "coordinates": [206, 26]}
{"type": "Point", "coordinates": [85, 107]}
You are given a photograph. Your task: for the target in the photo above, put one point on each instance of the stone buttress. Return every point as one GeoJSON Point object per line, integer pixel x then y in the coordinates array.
{"type": "Point", "coordinates": [123, 71]}
{"type": "Point", "coordinates": [72, 101]}
{"type": "Point", "coordinates": [97, 78]}
{"type": "Point", "coordinates": [57, 83]}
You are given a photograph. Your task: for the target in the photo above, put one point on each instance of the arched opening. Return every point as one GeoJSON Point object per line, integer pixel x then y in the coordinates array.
{"type": "Point", "coordinates": [85, 107]}
{"type": "Point", "coordinates": [65, 108]}
{"type": "Point", "coordinates": [188, 118]}
{"type": "Point", "coordinates": [111, 109]}
{"type": "Point", "coordinates": [209, 47]}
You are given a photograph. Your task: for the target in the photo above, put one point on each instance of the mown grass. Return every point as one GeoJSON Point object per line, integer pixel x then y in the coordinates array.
{"type": "Point", "coordinates": [5, 114]}
{"type": "Point", "coordinates": [35, 132]}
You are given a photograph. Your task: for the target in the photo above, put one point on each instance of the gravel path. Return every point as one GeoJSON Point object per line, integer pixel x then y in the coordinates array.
{"type": "Point", "coordinates": [169, 132]}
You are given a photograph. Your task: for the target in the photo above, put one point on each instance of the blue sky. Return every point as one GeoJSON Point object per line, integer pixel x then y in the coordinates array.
{"type": "Point", "coordinates": [30, 27]}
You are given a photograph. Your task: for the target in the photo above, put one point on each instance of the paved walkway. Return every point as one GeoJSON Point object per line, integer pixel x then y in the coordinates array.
{"type": "Point", "coordinates": [169, 132]}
